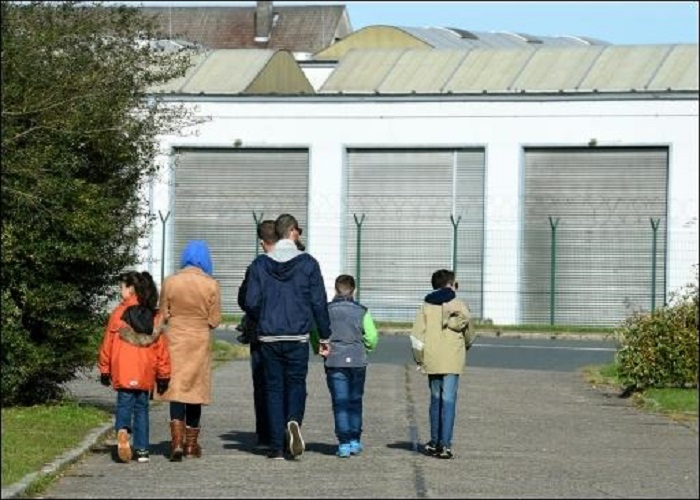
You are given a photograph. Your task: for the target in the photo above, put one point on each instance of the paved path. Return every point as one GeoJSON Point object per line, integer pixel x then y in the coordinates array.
{"type": "Point", "coordinates": [518, 434]}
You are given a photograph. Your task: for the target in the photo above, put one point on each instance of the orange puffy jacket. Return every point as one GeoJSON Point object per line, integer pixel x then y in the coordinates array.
{"type": "Point", "coordinates": [133, 360]}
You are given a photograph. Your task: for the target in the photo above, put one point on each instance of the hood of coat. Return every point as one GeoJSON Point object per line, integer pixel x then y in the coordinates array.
{"type": "Point", "coordinates": [285, 250]}
{"type": "Point", "coordinates": [440, 296]}
{"type": "Point", "coordinates": [139, 318]}
{"type": "Point", "coordinates": [284, 261]}
{"type": "Point", "coordinates": [140, 326]}
{"type": "Point", "coordinates": [127, 334]}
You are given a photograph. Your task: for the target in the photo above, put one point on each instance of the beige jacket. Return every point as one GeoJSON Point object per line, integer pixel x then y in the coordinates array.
{"type": "Point", "coordinates": [441, 336]}
{"type": "Point", "coordinates": [190, 302]}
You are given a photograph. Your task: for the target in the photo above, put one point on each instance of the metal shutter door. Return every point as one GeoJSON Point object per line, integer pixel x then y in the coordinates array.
{"type": "Point", "coordinates": [469, 204]}
{"type": "Point", "coordinates": [216, 193]}
{"type": "Point", "coordinates": [407, 197]}
{"type": "Point", "coordinates": [605, 199]}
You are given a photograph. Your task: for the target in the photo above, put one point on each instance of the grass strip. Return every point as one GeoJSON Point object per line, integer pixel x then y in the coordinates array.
{"type": "Point", "coordinates": [677, 403]}
{"type": "Point", "coordinates": [35, 435]}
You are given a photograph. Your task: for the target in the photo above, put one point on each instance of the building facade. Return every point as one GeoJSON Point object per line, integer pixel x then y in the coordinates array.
{"type": "Point", "coordinates": [573, 207]}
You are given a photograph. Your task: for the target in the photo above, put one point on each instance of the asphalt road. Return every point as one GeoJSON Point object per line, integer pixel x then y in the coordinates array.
{"type": "Point", "coordinates": [497, 352]}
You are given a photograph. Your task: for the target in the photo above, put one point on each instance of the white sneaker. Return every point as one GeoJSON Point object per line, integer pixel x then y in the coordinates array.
{"type": "Point", "coordinates": [296, 441]}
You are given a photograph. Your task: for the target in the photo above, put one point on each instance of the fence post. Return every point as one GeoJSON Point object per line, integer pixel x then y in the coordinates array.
{"type": "Point", "coordinates": [553, 223]}
{"type": "Point", "coordinates": [257, 222]}
{"type": "Point", "coordinates": [358, 260]}
{"type": "Point", "coordinates": [655, 229]}
{"type": "Point", "coordinates": [455, 224]}
{"type": "Point", "coordinates": [163, 220]}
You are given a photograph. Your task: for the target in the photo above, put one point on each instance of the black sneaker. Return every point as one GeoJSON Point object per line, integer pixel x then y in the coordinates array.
{"type": "Point", "coordinates": [275, 454]}
{"type": "Point", "coordinates": [446, 453]}
{"type": "Point", "coordinates": [431, 449]}
{"type": "Point", "coordinates": [142, 456]}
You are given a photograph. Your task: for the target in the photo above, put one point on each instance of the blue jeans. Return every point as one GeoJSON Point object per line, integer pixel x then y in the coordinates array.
{"type": "Point", "coordinates": [259, 398]}
{"type": "Point", "coordinates": [132, 414]}
{"type": "Point", "coordinates": [347, 386]}
{"type": "Point", "coordinates": [285, 365]}
{"type": "Point", "coordinates": [443, 403]}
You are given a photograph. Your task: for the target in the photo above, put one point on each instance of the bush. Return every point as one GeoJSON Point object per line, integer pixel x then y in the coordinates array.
{"type": "Point", "coordinates": [78, 145]}
{"type": "Point", "coordinates": [660, 349]}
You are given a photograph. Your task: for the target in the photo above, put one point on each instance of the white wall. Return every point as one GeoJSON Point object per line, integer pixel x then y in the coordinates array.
{"type": "Point", "coordinates": [502, 128]}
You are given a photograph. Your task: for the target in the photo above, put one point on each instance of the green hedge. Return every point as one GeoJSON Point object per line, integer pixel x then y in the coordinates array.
{"type": "Point", "coordinates": [661, 349]}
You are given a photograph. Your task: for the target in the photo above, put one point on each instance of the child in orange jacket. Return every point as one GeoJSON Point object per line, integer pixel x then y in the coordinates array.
{"type": "Point", "coordinates": [134, 357]}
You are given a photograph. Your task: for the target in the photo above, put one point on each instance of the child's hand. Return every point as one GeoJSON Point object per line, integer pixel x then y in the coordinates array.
{"type": "Point", "coordinates": [105, 379]}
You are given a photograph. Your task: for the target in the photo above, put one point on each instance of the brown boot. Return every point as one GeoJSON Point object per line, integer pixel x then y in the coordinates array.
{"type": "Point", "coordinates": [177, 434]}
{"type": "Point", "coordinates": [192, 449]}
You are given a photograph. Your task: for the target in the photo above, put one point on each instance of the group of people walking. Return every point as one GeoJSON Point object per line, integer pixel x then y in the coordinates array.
{"type": "Point", "coordinates": [161, 346]}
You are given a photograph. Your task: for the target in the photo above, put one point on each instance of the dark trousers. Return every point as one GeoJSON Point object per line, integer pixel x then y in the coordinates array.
{"type": "Point", "coordinates": [259, 397]}
{"type": "Point", "coordinates": [190, 413]}
{"type": "Point", "coordinates": [285, 365]}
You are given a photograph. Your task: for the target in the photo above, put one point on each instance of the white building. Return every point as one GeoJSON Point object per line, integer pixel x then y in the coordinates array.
{"type": "Point", "coordinates": [595, 147]}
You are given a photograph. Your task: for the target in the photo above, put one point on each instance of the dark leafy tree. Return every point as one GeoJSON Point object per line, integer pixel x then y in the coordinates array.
{"type": "Point", "coordinates": [78, 146]}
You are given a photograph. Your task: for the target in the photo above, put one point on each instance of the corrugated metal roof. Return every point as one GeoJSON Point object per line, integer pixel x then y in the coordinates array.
{"type": "Point", "coordinates": [435, 37]}
{"type": "Point", "coordinates": [366, 70]}
{"type": "Point", "coordinates": [421, 70]}
{"type": "Point", "coordinates": [551, 69]}
{"type": "Point", "coordinates": [679, 70]}
{"type": "Point", "coordinates": [609, 68]}
{"type": "Point", "coordinates": [488, 69]}
{"type": "Point", "coordinates": [177, 83]}
{"type": "Point", "coordinates": [625, 67]}
{"type": "Point", "coordinates": [406, 37]}
{"type": "Point", "coordinates": [449, 38]}
{"type": "Point", "coordinates": [240, 71]}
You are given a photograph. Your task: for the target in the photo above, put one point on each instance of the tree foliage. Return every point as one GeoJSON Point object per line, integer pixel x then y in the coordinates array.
{"type": "Point", "coordinates": [78, 146]}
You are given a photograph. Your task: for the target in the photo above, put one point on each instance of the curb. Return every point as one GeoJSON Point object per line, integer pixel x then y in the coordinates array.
{"type": "Point", "coordinates": [93, 437]}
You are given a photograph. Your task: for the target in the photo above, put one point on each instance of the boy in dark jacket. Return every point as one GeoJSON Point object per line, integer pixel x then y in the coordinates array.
{"type": "Point", "coordinates": [268, 238]}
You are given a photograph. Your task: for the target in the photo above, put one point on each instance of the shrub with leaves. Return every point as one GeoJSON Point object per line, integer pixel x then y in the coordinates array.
{"type": "Point", "coordinates": [661, 349]}
{"type": "Point", "coordinates": [78, 144]}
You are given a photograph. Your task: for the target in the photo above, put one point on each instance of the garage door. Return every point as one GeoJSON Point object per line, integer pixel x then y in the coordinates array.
{"type": "Point", "coordinates": [407, 197]}
{"type": "Point", "coordinates": [216, 193]}
{"type": "Point", "coordinates": [606, 200]}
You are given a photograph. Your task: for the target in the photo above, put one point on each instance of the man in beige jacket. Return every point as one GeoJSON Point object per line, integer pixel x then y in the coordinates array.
{"type": "Point", "coordinates": [442, 333]}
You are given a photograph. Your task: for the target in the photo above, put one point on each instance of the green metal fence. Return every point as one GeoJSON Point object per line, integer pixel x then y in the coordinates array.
{"type": "Point", "coordinates": [564, 275]}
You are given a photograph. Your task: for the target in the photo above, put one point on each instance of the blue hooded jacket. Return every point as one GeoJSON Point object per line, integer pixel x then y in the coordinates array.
{"type": "Point", "coordinates": [286, 297]}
